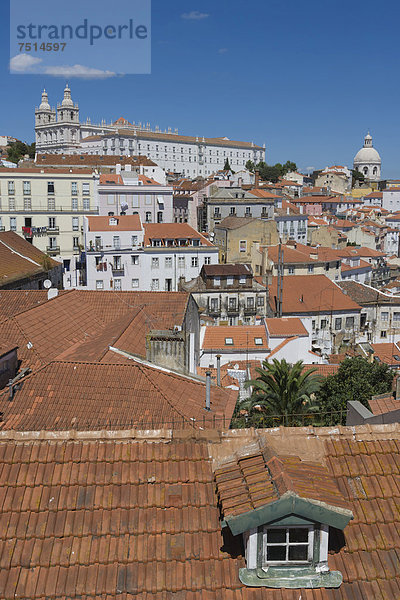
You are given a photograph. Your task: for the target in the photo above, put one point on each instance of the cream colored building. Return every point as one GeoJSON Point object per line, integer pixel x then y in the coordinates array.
{"type": "Point", "coordinates": [241, 239]}
{"type": "Point", "coordinates": [47, 206]}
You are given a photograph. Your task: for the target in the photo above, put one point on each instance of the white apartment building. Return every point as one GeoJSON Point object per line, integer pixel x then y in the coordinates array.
{"type": "Point", "coordinates": [133, 194]}
{"type": "Point", "coordinates": [47, 206]}
{"type": "Point", "coordinates": [391, 199]}
{"type": "Point", "coordinates": [123, 254]}
{"type": "Point", "coordinates": [60, 131]}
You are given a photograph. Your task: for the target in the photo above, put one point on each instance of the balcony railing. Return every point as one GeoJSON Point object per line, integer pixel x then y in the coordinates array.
{"type": "Point", "coordinates": [118, 272]}
{"type": "Point", "coordinates": [55, 230]}
{"type": "Point", "coordinates": [214, 311]}
{"type": "Point", "coordinates": [53, 250]}
{"type": "Point", "coordinates": [249, 310]}
{"type": "Point", "coordinates": [232, 310]}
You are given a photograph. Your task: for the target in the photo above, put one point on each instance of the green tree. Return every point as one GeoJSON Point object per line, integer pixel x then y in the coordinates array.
{"type": "Point", "coordinates": [289, 166]}
{"type": "Point", "coordinates": [357, 176]}
{"type": "Point", "coordinates": [227, 166]}
{"type": "Point", "coordinates": [273, 172]}
{"type": "Point", "coordinates": [356, 379]}
{"type": "Point", "coordinates": [280, 391]}
{"type": "Point", "coordinates": [17, 150]}
{"type": "Point", "coordinates": [250, 166]}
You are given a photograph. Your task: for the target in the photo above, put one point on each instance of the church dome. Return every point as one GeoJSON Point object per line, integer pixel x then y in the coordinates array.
{"type": "Point", "coordinates": [44, 105]}
{"type": "Point", "coordinates": [67, 100]}
{"type": "Point", "coordinates": [367, 154]}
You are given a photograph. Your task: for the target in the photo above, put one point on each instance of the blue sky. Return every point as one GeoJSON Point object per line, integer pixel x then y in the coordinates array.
{"type": "Point", "coordinates": [308, 79]}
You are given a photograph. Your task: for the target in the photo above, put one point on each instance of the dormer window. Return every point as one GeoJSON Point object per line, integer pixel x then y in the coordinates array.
{"type": "Point", "coordinates": [113, 222]}
{"type": "Point", "coordinates": [284, 509]}
{"type": "Point", "coordinates": [228, 342]}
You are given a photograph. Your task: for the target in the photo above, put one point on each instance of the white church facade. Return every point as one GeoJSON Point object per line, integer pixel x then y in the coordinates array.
{"type": "Point", "coordinates": [60, 131]}
{"type": "Point", "coordinates": [368, 161]}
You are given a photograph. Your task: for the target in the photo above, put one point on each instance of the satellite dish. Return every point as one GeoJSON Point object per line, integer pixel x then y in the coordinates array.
{"type": "Point", "coordinates": [47, 284]}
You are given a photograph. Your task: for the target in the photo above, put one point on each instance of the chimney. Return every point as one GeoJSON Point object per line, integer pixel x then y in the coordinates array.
{"type": "Point", "coordinates": [218, 369]}
{"type": "Point", "coordinates": [208, 390]}
{"type": "Point", "coordinates": [257, 179]}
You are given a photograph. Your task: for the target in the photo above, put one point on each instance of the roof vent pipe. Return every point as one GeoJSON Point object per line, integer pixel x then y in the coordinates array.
{"type": "Point", "coordinates": [218, 356]}
{"type": "Point", "coordinates": [208, 390]}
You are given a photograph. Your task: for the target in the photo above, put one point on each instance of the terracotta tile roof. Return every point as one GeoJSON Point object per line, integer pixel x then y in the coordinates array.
{"type": "Point", "coordinates": [384, 403]}
{"type": "Point", "coordinates": [80, 322]}
{"type": "Point", "coordinates": [363, 265]}
{"type": "Point", "coordinates": [20, 259]}
{"type": "Point", "coordinates": [87, 396]}
{"type": "Point", "coordinates": [92, 159]}
{"type": "Point", "coordinates": [172, 231]}
{"type": "Point", "coordinates": [285, 327]}
{"type": "Point", "coordinates": [323, 370]}
{"type": "Point", "coordinates": [111, 179]}
{"type": "Point", "coordinates": [13, 302]}
{"type": "Point", "coordinates": [387, 353]}
{"type": "Point", "coordinates": [260, 193]}
{"type": "Point", "coordinates": [253, 481]}
{"type": "Point", "coordinates": [366, 295]}
{"type": "Point", "coordinates": [290, 255]}
{"type": "Point", "coordinates": [311, 294]}
{"type": "Point", "coordinates": [222, 270]}
{"type": "Point", "coordinates": [124, 223]}
{"type": "Point", "coordinates": [236, 365]}
{"type": "Point", "coordinates": [234, 222]}
{"type": "Point", "coordinates": [114, 518]}
{"type": "Point", "coordinates": [243, 337]}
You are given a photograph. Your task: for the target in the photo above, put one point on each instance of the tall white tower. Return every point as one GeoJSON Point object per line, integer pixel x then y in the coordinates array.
{"type": "Point", "coordinates": [45, 117]}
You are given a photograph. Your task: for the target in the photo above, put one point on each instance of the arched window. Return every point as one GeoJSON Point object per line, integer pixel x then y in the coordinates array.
{"type": "Point", "coordinates": [365, 170]}
{"type": "Point", "coordinates": [375, 171]}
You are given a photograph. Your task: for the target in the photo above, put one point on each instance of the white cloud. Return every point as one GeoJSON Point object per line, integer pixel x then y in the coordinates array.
{"type": "Point", "coordinates": [22, 63]}
{"type": "Point", "coordinates": [222, 50]}
{"type": "Point", "coordinates": [194, 15]}
{"type": "Point", "coordinates": [78, 71]}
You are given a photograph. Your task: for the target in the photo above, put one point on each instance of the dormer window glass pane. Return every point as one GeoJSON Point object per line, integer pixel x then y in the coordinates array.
{"type": "Point", "coordinates": [285, 545]}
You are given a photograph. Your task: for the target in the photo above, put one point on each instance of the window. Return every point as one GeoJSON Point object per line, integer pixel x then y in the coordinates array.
{"type": "Point", "coordinates": [242, 246]}
{"type": "Point", "coordinates": [99, 284]}
{"type": "Point", "coordinates": [75, 242]}
{"type": "Point", "coordinates": [207, 260]}
{"type": "Point", "coordinates": [242, 279]}
{"type": "Point", "coordinates": [51, 203]}
{"type": "Point", "coordinates": [168, 262]}
{"type": "Point", "coordinates": [288, 545]}
{"type": "Point", "coordinates": [195, 261]}
{"type": "Point", "coordinates": [27, 187]}
{"type": "Point", "coordinates": [74, 188]}
{"type": "Point", "coordinates": [258, 341]}
{"type": "Point", "coordinates": [291, 270]}
{"type": "Point", "coordinates": [134, 240]}
{"type": "Point", "coordinates": [311, 268]}
{"type": "Point", "coordinates": [232, 303]}
{"type": "Point", "coordinates": [134, 259]}
{"type": "Point", "coordinates": [228, 342]}
{"type": "Point", "coordinates": [86, 204]}
{"type": "Point", "coordinates": [148, 217]}
{"type": "Point", "coordinates": [11, 188]}
{"type": "Point", "coordinates": [27, 204]}
{"type": "Point", "coordinates": [217, 281]}
{"type": "Point", "coordinates": [117, 285]}
{"type": "Point", "coordinates": [233, 210]}
{"type": "Point", "coordinates": [181, 261]}
{"type": "Point", "coordinates": [75, 223]}
{"type": "Point", "coordinates": [11, 203]}
{"type": "Point", "coordinates": [349, 322]}
{"type": "Point", "coordinates": [383, 334]}
{"type": "Point", "coordinates": [229, 281]}
{"type": "Point", "coordinates": [116, 242]}
{"type": "Point", "coordinates": [384, 316]}
{"type": "Point", "coordinates": [74, 203]}
{"type": "Point", "coordinates": [396, 316]}
{"type": "Point", "coordinates": [260, 301]}
{"type": "Point", "coordinates": [248, 211]}
{"type": "Point", "coordinates": [135, 283]}
{"type": "Point", "coordinates": [52, 242]}
{"type": "Point", "coordinates": [52, 222]}
{"type": "Point", "coordinates": [50, 187]}
{"type": "Point", "coordinates": [250, 302]}
{"type": "Point", "coordinates": [159, 217]}
{"type": "Point", "coordinates": [13, 223]}
{"type": "Point", "coordinates": [324, 323]}
{"type": "Point", "coordinates": [338, 323]}
{"type": "Point", "coordinates": [217, 214]}
{"type": "Point", "coordinates": [86, 188]}
{"type": "Point", "coordinates": [155, 263]}
{"type": "Point", "coordinates": [155, 284]}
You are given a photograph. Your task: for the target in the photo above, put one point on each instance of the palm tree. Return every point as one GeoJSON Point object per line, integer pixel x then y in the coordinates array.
{"type": "Point", "coordinates": [281, 390]}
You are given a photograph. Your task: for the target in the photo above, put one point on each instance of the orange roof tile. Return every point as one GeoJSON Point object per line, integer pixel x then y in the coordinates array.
{"type": "Point", "coordinates": [123, 223]}
{"type": "Point", "coordinates": [285, 327]}
{"type": "Point", "coordinates": [243, 337]}
{"type": "Point", "coordinates": [173, 231]}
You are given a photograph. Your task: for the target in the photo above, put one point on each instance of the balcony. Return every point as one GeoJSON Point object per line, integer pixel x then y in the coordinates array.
{"type": "Point", "coordinates": [249, 310]}
{"type": "Point", "coordinates": [55, 230]}
{"type": "Point", "coordinates": [76, 250]}
{"type": "Point", "coordinates": [118, 272]}
{"type": "Point", "coordinates": [53, 250]}
{"type": "Point", "coordinates": [214, 311]}
{"type": "Point", "coordinates": [232, 311]}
